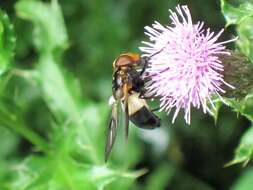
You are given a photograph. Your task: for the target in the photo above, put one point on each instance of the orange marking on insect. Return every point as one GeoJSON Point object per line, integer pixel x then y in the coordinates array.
{"type": "Point", "coordinates": [126, 59]}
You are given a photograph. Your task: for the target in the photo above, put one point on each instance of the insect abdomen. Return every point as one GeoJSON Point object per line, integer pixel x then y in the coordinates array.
{"type": "Point", "coordinates": [145, 119]}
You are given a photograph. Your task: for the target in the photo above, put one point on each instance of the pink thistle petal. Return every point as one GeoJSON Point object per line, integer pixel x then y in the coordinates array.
{"type": "Point", "coordinates": [184, 67]}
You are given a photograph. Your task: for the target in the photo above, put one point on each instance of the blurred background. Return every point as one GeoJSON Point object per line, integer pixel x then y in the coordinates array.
{"type": "Point", "coordinates": [54, 104]}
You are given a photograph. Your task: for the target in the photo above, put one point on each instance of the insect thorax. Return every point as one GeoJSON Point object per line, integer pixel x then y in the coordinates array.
{"type": "Point", "coordinates": [128, 76]}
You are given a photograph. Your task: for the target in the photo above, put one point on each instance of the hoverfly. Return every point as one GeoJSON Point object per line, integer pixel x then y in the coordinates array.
{"type": "Point", "coordinates": [129, 95]}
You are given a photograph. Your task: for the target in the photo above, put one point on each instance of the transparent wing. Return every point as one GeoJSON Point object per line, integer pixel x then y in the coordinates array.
{"type": "Point", "coordinates": [112, 129]}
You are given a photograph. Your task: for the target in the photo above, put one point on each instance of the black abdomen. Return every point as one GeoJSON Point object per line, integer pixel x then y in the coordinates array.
{"type": "Point", "coordinates": [145, 119]}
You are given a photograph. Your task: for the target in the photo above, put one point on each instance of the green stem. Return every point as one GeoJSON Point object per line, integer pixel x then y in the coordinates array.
{"type": "Point", "coordinates": [11, 122]}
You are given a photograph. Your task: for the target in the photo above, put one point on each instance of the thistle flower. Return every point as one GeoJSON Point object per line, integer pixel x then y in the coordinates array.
{"type": "Point", "coordinates": [184, 66]}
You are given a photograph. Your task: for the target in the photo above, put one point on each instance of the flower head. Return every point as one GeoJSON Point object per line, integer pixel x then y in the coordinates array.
{"type": "Point", "coordinates": [184, 66]}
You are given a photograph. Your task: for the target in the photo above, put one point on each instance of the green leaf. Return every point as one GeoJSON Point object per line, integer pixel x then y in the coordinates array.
{"type": "Point", "coordinates": [58, 91]}
{"type": "Point", "coordinates": [244, 151]}
{"type": "Point", "coordinates": [242, 17]}
{"type": "Point", "coordinates": [244, 106]}
{"type": "Point", "coordinates": [51, 38]}
{"type": "Point", "coordinates": [245, 32]}
{"type": "Point", "coordinates": [235, 15]}
{"type": "Point", "coordinates": [52, 173]}
{"type": "Point", "coordinates": [52, 81]}
{"type": "Point", "coordinates": [7, 41]}
{"type": "Point", "coordinates": [217, 103]}
{"type": "Point", "coordinates": [50, 32]}
{"type": "Point", "coordinates": [244, 182]}
{"type": "Point", "coordinates": [61, 172]}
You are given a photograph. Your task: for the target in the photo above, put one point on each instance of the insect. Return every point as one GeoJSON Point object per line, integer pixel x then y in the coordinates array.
{"type": "Point", "coordinates": [129, 95]}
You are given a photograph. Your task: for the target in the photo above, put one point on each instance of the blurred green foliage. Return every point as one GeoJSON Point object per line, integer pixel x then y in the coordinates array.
{"type": "Point", "coordinates": [54, 94]}
{"type": "Point", "coordinates": [241, 14]}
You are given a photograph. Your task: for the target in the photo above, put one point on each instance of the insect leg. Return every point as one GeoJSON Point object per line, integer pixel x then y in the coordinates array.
{"type": "Point", "coordinates": [126, 111]}
{"type": "Point", "coordinates": [144, 61]}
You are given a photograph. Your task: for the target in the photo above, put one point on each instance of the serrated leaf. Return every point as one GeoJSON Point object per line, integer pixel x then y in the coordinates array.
{"type": "Point", "coordinates": [244, 151]}
{"type": "Point", "coordinates": [244, 106]}
{"type": "Point", "coordinates": [235, 15]}
{"type": "Point", "coordinates": [242, 17]}
{"type": "Point", "coordinates": [7, 41]}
